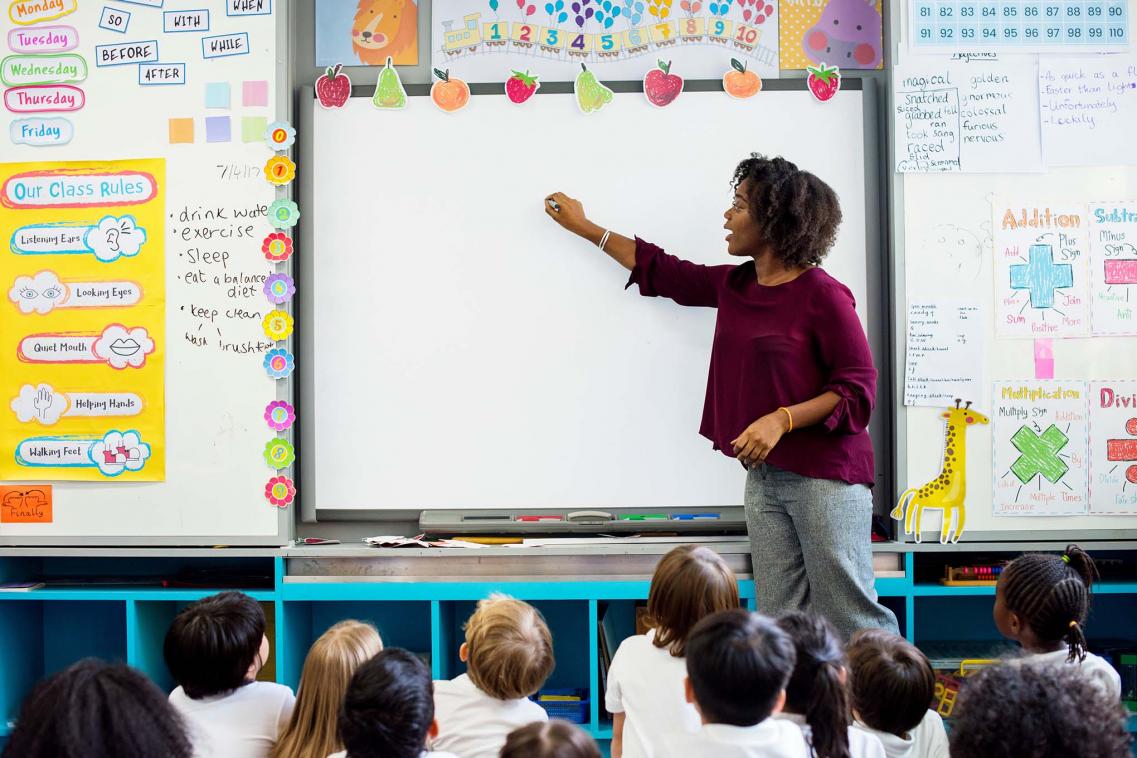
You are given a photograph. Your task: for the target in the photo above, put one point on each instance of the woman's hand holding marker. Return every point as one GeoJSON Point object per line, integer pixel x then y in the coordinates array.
{"type": "Point", "coordinates": [569, 215]}
{"type": "Point", "coordinates": [567, 212]}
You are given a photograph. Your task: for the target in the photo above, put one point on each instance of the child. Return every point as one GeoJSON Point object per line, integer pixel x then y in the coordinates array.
{"type": "Point", "coordinates": [738, 664]}
{"type": "Point", "coordinates": [97, 710]}
{"type": "Point", "coordinates": [1041, 602]}
{"type": "Point", "coordinates": [1033, 710]}
{"type": "Point", "coordinates": [388, 709]}
{"type": "Point", "coordinates": [645, 680]}
{"type": "Point", "coordinates": [214, 649]}
{"type": "Point", "coordinates": [816, 699]}
{"type": "Point", "coordinates": [549, 739]}
{"type": "Point", "coordinates": [328, 668]}
{"type": "Point", "coordinates": [892, 684]}
{"type": "Point", "coordinates": [508, 654]}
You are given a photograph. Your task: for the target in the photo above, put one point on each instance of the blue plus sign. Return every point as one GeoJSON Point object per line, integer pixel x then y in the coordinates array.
{"type": "Point", "coordinates": [1041, 276]}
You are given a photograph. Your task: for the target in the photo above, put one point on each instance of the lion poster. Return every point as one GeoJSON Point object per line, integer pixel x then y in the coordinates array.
{"type": "Point", "coordinates": [366, 32]}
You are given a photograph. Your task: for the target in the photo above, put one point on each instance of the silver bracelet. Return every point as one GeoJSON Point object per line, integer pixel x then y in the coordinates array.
{"type": "Point", "coordinates": [604, 240]}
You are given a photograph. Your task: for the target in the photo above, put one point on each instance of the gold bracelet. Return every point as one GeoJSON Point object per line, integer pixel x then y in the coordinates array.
{"type": "Point", "coordinates": [790, 416]}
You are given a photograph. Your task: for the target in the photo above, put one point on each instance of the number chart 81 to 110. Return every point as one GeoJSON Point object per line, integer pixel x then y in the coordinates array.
{"type": "Point", "coordinates": [1020, 25]}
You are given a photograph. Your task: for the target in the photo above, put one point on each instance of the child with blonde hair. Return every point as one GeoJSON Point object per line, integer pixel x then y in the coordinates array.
{"type": "Point", "coordinates": [508, 654]}
{"type": "Point", "coordinates": [646, 694]}
{"type": "Point", "coordinates": [331, 661]}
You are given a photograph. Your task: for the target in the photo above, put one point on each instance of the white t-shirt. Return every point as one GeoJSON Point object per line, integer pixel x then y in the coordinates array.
{"type": "Point", "coordinates": [861, 743]}
{"type": "Point", "coordinates": [244, 723]}
{"type": "Point", "coordinates": [927, 740]}
{"type": "Point", "coordinates": [471, 724]}
{"type": "Point", "coordinates": [645, 683]}
{"type": "Point", "coordinates": [1095, 667]}
{"type": "Point", "coordinates": [772, 738]}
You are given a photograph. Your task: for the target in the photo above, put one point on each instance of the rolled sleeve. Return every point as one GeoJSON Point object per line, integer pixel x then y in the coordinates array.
{"type": "Point", "coordinates": [848, 360]}
{"type": "Point", "coordinates": [658, 274]}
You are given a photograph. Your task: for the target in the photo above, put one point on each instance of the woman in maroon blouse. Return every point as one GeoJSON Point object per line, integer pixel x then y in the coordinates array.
{"type": "Point", "coordinates": [791, 385]}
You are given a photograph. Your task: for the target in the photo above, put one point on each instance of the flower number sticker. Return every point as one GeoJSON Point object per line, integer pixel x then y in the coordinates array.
{"type": "Point", "coordinates": [279, 363]}
{"type": "Point", "coordinates": [283, 214]}
{"type": "Point", "coordinates": [280, 415]}
{"type": "Point", "coordinates": [280, 491]}
{"type": "Point", "coordinates": [278, 325]}
{"type": "Point", "coordinates": [279, 288]}
{"type": "Point", "coordinates": [277, 247]}
{"type": "Point", "coordinates": [279, 453]}
{"type": "Point", "coordinates": [279, 135]}
{"type": "Point", "coordinates": [280, 170]}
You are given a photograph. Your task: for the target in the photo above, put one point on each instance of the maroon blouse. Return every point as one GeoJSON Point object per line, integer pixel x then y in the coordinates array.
{"type": "Point", "coordinates": [777, 346]}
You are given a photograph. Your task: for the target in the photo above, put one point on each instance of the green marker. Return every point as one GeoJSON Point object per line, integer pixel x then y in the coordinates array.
{"type": "Point", "coordinates": [644, 517]}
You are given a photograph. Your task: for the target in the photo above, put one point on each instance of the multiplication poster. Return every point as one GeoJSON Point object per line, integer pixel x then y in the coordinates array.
{"type": "Point", "coordinates": [82, 327]}
{"type": "Point", "coordinates": [1039, 435]}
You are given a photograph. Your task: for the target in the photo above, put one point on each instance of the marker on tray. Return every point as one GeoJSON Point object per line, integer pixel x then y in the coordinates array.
{"type": "Point", "coordinates": [694, 517]}
{"type": "Point", "coordinates": [644, 517]}
{"type": "Point", "coordinates": [540, 517]}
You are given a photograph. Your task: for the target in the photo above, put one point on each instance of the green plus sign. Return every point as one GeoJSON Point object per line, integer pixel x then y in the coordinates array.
{"type": "Point", "coordinates": [1039, 454]}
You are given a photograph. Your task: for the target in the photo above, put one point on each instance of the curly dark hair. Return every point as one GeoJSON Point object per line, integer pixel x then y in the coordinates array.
{"type": "Point", "coordinates": [1052, 594]}
{"type": "Point", "coordinates": [1036, 711]}
{"type": "Point", "coordinates": [797, 213]}
{"type": "Point", "coordinates": [95, 709]}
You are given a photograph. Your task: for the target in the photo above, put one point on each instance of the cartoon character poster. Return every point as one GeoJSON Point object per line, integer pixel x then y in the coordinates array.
{"type": "Point", "coordinates": [842, 33]}
{"type": "Point", "coordinates": [366, 32]}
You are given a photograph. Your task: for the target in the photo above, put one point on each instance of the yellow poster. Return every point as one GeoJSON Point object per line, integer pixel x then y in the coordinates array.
{"type": "Point", "coordinates": [842, 33]}
{"type": "Point", "coordinates": [82, 320]}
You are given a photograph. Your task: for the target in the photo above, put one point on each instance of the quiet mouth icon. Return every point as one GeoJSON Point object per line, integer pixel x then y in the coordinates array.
{"type": "Point", "coordinates": [125, 348]}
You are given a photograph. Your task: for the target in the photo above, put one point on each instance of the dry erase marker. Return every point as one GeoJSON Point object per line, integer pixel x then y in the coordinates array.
{"type": "Point", "coordinates": [540, 517]}
{"type": "Point", "coordinates": [554, 205]}
{"type": "Point", "coordinates": [694, 516]}
{"type": "Point", "coordinates": [644, 517]}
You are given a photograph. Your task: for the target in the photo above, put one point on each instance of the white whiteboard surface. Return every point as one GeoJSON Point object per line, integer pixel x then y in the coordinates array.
{"type": "Point", "coordinates": [215, 433]}
{"type": "Point", "coordinates": [947, 248]}
{"type": "Point", "coordinates": [465, 352]}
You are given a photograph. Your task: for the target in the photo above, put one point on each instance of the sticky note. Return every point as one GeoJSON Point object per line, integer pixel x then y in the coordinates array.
{"type": "Point", "coordinates": [253, 128]}
{"type": "Point", "coordinates": [25, 504]}
{"type": "Point", "coordinates": [217, 129]}
{"type": "Point", "coordinates": [255, 93]}
{"type": "Point", "coordinates": [181, 130]}
{"type": "Point", "coordinates": [217, 95]}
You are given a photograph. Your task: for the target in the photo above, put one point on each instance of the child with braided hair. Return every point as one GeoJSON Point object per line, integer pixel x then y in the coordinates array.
{"type": "Point", "coordinates": [1041, 602]}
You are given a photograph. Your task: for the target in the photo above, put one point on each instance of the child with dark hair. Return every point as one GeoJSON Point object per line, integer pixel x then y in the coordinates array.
{"type": "Point", "coordinates": [892, 684]}
{"type": "Point", "coordinates": [388, 710]}
{"type": "Point", "coordinates": [738, 664]}
{"type": "Point", "coordinates": [94, 709]}
{"type": "Point", "coordinates": [1041, 602]}
{"type": "Point", "coordinates": [816, 695]}
{"type": "Point", "coordinates": [1037, 710]}
{"type": "Point", "coordinates": [214, 649]}
{"type": "Point", "coordinates": [549, 739]}
{"type": "Point", "coordinates": [645, 679]}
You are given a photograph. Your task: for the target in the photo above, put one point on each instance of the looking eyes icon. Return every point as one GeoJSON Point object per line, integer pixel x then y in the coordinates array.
{"type": "Point", "coordinates": [51, 293]}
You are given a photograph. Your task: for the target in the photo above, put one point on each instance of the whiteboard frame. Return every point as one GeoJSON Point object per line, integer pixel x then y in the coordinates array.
{"type": "Point", "coordinates": [285, 521]}
{"type": "Point", "coordinates": [877, 277]}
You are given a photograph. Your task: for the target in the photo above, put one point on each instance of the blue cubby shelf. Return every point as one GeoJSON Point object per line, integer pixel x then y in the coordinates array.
{"type": "Point", "coordinates": [128, 621]}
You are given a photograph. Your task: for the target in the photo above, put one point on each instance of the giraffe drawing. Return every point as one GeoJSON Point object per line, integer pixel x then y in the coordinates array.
{"type": "Point", "coordinates": [947, 491]}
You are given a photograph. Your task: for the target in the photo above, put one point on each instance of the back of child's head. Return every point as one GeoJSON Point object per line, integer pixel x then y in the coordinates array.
{"type": "Point", "coordinates": [329, 666]}
{"type": "Point", "coordinates": [689, 584]}
{"type": "Point", "coordinates": [212, 643]}
{"type": "Point", "coordinates": [1037, 711]}
{"type": "Point", "coordinates": [816, 688]}
{"type": "Point", "coordinates": [738, 663]}
{"type": "Point", "coordinates": [509, 648]}
{"type": "Point", "coordinates": [388, 707]}
{"type": "Point", "coordinates": [549, 739]}
{"type": "Point", "coordinates": [891, 681]}
{"type": "Point", "coordinates": [1051, 595]}
{"type": "Point", "coordinates": [97, 710]}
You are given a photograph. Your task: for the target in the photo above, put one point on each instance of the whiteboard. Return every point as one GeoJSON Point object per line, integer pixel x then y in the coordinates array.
{"type": "Point", "coordinates": [213, 491]}
{"type": "Point", "coordinates": [464, 352]}
{"type": "Point", "coordinates": [946, 251]}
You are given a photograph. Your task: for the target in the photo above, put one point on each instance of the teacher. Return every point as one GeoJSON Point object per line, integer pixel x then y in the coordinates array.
{"type": "Point", "coordinates": [791, 385]}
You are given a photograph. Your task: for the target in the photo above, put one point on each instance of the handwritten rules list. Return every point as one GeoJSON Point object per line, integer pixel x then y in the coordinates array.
{"type": "Point", "coordinates": [966, 117]}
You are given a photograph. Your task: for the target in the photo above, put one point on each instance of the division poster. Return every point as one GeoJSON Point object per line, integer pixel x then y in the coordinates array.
{"type": "Point", "coordinates": [1113, 447]}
